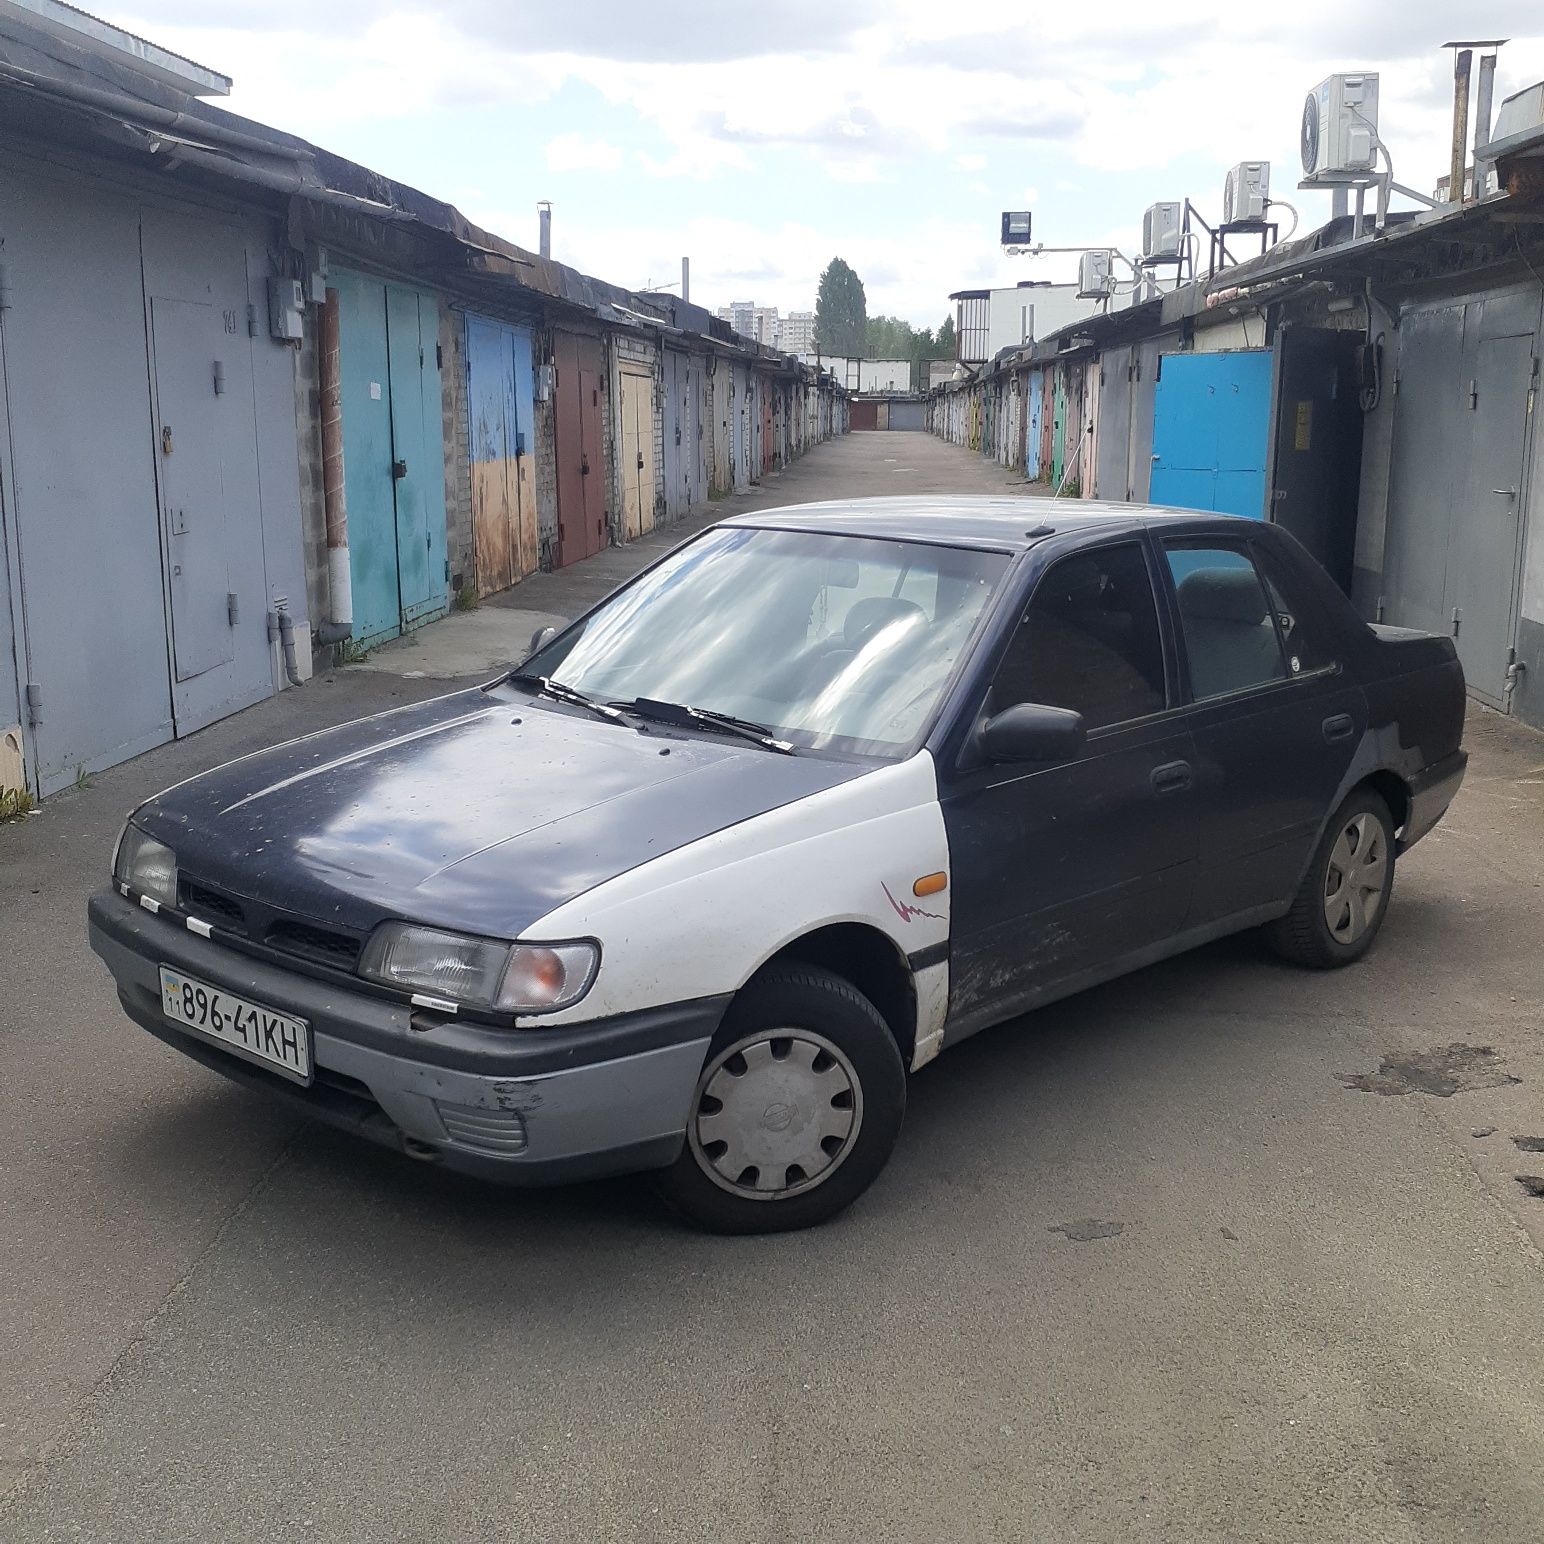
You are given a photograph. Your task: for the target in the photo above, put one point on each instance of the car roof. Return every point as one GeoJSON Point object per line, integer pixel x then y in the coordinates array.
{"type": "Point", "coordinates": [1003, 523]}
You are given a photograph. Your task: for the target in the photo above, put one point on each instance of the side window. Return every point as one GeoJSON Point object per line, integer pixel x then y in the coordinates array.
{"type": "Point", "coordinates": [1299, 630]}
{"type": "Point", "coordinates": [1226, 618]}
{"type": "Point", "coordinates": [1089, 641]}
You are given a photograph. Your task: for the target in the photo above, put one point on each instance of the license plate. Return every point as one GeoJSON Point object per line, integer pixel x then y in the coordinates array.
{"type": "Point", "coordinates": [250, 1030]}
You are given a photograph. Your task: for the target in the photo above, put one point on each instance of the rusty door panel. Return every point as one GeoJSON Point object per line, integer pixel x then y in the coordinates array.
{"type": "Point", "coordinates": [500, 415]}
{"type": "Point", "coordinates": [723, 437]}
{"type": "Point", "coordinates": [580, 459]}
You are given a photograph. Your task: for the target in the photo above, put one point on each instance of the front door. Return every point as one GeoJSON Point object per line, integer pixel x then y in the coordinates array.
{"type": "Point", "coordinates": [580, 465]}
{"type": "Point", "coordinates": [196, 286]}
{"type": "Point", "coordinates": [677, 494]}
{"type": "Point", "coordinates": [1211, 431]}
{"type": "Point", "coordinates": [1274, 720]}
{"type": "Point", "coordinates": [637, 440]}
{"type": "Point", "coordinates": [1062, 872]}
{"type": "Point", "coordinates": [192, 487]}
{"type": "Point", "coordinates": [1482, 566]}
{"type": "Point", "coordinates": [393, 456]}
{"type": "Point", "coordinates": [418, 461]}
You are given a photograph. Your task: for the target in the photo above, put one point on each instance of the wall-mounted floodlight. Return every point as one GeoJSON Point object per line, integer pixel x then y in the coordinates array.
{"type": "Point", "coordinates": [1015, 228]}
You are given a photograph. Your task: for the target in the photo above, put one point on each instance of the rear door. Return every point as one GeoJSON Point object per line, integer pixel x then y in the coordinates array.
{"type": "Point", "coordinates": [1063, 871]}
{"type": "Point", "coordinates": [1274, 721]}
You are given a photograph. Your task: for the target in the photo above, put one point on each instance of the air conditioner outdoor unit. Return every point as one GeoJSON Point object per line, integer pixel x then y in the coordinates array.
{"type": "Point", "coordinates": [1161, 231]}
{"type": "Point", "coordinates": [1096, 277]}
{"type": "Point", "coordinates": [1340, 128]}
{"type": "Point", "coordinates": [1246, 193]}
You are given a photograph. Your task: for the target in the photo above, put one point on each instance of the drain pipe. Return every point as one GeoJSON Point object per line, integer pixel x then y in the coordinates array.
{"type": "Point", "coordinates": [1514, 672]}
{"type": "Point", "coordinates": [281, 628]}
{"type": "Point", "coordinates": [340, 589]}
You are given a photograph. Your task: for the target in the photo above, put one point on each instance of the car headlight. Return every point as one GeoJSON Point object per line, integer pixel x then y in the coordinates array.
{"type": "Point", "coordinates": [480, 972]}
{"type": "Point", "coordinates": [146, 865]}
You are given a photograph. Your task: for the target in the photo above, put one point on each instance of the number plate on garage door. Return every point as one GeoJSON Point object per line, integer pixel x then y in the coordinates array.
{"type": "Point", "coordinates": [247, 1028]}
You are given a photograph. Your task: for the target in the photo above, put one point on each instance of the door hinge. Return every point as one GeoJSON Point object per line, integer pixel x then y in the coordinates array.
{"type": "Point", "coordinates": [1474, 395]}
{"type": "Point", "coordinates": [34, 698]}
{"type": "Point", "coordinates": [252, 321]}
{"type": "Point", "coordinates": [7, 295]}
{"type": "Point", "coordinates": [232, 608]}
{"type": "Point", "coordinates": [1458, 618]}
{"type": "Point", "coordinates": [1378, 612]}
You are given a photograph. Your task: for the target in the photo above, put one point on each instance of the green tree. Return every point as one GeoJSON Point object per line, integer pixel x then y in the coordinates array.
{"type": "Point", "coordinates": [946, 340]}
{"type": "Point", "coordinates": [841, 312]}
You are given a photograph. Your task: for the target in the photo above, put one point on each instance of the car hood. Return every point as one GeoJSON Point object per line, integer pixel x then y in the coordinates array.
{"type": "Point", "coordinates": [480, 811]}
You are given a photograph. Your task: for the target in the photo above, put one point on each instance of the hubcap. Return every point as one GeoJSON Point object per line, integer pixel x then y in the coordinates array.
{"type": "Point", "coordinates": [776, 1113]}
{"type": "Point", "coordinates": [1353, 887]}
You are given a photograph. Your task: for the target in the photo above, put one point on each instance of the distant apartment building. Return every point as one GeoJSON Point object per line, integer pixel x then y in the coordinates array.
{"type": "Point", "coordinates": [759, 323]}
{"type": "Point", "coordinates": [798, 336]}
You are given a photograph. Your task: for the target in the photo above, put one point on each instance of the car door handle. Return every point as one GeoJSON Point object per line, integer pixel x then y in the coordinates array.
{"type": "Point", "coordinates": [1339, 726]}
{"type": "Point", "coordinates": [1172, 777]}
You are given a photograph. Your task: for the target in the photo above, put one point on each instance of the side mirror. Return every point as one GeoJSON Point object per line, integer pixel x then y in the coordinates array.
{"type": "Point", "coordinates": [541, 638]}
{"type": "Point", "coordinates": [1029, 731]}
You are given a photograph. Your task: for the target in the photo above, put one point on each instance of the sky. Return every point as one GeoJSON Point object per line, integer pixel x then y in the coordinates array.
{"type": "Point", "coordinates": [762, 140]}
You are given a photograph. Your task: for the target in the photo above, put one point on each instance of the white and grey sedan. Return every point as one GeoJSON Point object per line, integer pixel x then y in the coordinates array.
{"type": "Point", "coordinates": [825, 790]}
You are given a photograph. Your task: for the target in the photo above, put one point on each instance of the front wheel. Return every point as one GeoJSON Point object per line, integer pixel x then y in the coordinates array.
{"type": "Point", "coordinates": [796, 1111]}
{"type": "Point", "coordinates": [1340, 905]}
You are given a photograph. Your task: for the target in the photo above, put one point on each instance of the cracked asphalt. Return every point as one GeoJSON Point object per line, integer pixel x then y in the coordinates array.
{"type": "Point", "coordinates": [1221, 1251]}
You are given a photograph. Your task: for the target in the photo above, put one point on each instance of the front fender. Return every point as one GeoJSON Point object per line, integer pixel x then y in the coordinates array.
{"type": "Point", "coordinates": [700, 921]}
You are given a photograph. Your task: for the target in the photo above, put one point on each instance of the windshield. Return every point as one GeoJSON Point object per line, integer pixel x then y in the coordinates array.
{"type": "Point", "coordinates": [841, 643]}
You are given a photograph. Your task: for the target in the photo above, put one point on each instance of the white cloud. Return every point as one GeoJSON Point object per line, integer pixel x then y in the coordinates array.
{"type": "Point", "coordinates": [575, 153]}
{"type": "Point", "coordinates": [1065, 98]}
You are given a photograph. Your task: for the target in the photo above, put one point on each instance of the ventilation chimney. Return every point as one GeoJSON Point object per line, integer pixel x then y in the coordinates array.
{"type": "Point", "coordinates": [544, 215]}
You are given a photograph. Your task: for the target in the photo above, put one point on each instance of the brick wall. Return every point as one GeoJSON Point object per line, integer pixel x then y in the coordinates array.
{"type": "Point", "coordinates": [458, 454]}
{"type": "Point", "coordinates": [308, 440]}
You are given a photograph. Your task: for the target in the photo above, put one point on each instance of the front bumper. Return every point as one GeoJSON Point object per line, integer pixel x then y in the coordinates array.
{"type": "Point", "coordinates": [1431, 791]}
{"type": "Point", "coordinates": [523, 1106]}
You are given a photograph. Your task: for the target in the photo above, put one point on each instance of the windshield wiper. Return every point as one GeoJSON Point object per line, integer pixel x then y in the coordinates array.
{"type": "Point", "coordinates": [545, 686]}
{"type": "Point", "coordinates": [682, 713]}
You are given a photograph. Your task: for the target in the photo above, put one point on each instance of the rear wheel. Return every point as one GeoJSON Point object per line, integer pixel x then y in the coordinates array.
{"type": "Point", "coordinates": [1340, 905]}
{"type": "Point", "coordinates": [796, 1111]}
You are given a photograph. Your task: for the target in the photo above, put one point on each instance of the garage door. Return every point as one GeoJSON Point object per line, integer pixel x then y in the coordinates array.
{"type": "Point", "coordinates": [1211, 427]}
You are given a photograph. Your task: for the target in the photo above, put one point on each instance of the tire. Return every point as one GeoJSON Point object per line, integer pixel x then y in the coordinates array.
{"type": "Point", "coordinates": [797, 1108]}
{"type": "Point", "coordinates": [1338, 910]}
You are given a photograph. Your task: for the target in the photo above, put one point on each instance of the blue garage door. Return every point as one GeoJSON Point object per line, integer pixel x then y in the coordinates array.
{"type": "Point", "coordinates": [393, 454]}
{"type": "Point", "coordinates": [1211, 425]}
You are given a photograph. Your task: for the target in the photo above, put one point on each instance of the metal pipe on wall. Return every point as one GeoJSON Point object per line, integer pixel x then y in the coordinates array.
{"type": "Point", "coordinates": [1461, 64]}
{"type": "Point", "coordinates": [340, 585]}
{"type": "Point", "coordinates": [686, 278]}
{"type": "Point", "coordinates": [1482, 100]}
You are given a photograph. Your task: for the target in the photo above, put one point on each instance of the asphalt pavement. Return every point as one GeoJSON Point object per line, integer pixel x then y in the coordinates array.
{"type": "Point", "coordinates": [1221, 1251]}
